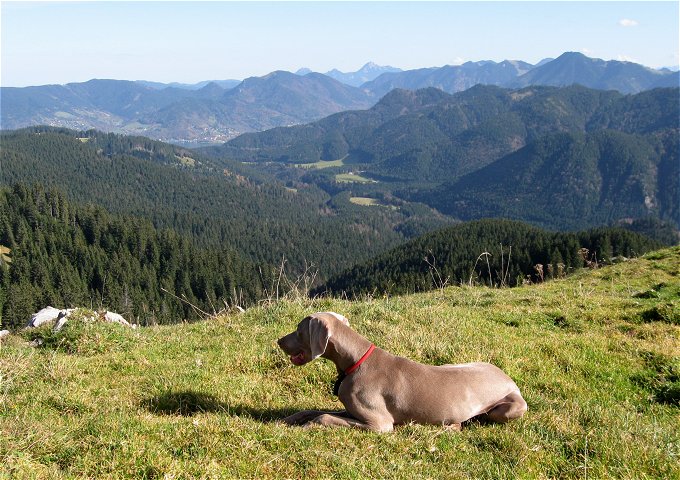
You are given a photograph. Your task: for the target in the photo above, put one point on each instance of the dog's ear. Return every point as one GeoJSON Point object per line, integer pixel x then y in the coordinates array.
{"type": "Point", "coordinates": [318, 336]}
{"type": "Point", "coordinates": [341, 318]}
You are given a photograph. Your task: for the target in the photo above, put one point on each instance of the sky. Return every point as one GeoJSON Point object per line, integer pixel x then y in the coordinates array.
{"type": "Point", "coordinates": [61, 42]}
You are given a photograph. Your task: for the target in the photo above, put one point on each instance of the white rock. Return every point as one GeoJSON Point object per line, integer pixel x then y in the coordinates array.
{"type": "Point", "coordinates": [104, 316]}
{"type": "Point", "coordinates": [3, 334]}
{"type": "Point", "coordinates": [47, 314]}
{"type": "Point", "coordinates": [115, 317]}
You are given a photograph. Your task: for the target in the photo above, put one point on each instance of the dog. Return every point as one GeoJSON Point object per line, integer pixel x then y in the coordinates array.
{"type": "Point", "coordinates": [380, 390]}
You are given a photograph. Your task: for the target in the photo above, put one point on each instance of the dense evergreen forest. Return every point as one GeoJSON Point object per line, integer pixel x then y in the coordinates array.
{"type": "Point", "coordinates": [60, 254]}
{"type": "Point", "coordinates": [488, 252]}
{"type": "Point", "coordinates": [182, 190]}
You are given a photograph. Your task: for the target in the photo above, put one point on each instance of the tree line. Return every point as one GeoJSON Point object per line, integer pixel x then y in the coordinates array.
{"type": "Point", "coordinates": [486, 252]}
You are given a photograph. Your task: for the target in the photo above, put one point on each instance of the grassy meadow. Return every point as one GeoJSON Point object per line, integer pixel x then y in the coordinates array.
{"type": "Point", "coordinates": [321, 164]}
{"type": "Point", "coordinates": [596, 355]}
{"type": "Point", "coordinates": [352, 178]}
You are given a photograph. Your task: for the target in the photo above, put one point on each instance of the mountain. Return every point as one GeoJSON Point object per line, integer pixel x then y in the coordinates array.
{"type": "Point", "coordinates": [575, 68]}
{"type": "Point", "coordinates": [451, 256]}
{"type": "Point", "coordinates": [96, 103]}
{"type": "Point", "coordinates": [208, 114]}
{"type": "Point", "coordinates": [670, 80]}
{"type": "Point", "coordinates": [463, 153]}
{"type": "Point", "coordinates": [568, 69]}
{"type": "Point", "coordinates": [368, 72]}
{"type": "Point", "coordinates": [569, 180]}
{"type": "Point", "coordinates": [450, 78]}
{"type": "Point", "coordinates": [283, 98]}
{"type": "Point", "coordinates": [225, 84]}
{"type": "Point", "coordinates": [217, 111]}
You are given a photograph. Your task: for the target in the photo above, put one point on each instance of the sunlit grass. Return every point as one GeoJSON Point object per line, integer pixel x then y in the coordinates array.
{"type": "Point", "coordinates": [201, 400]}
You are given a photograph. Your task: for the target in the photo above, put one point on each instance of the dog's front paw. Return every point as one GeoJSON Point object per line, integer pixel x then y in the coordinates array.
{"type": "Point", "coordinates": [316, 421]}
{"type": "Point", "coordinates": [300, 418]}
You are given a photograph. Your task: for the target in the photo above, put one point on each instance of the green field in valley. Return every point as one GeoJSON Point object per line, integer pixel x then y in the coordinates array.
{"type": "Point", "coordinates": [352, 178]}
{"type": "Point", "coordinates": [323, 164]}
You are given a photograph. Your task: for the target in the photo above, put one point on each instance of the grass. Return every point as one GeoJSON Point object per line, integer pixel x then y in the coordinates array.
{"type": "Point", "coordinates": [367, 201]}
{"type": "Point", "coordinates": [600, 375]}
{"type": "Point", "coordinates": [186, 161]}
{"type": "Point", "coordinates": [352, 178]}
{"type": "Point", "coordinates": [323, 164]}
{"type": "Point", "coordinates": [370, 202]}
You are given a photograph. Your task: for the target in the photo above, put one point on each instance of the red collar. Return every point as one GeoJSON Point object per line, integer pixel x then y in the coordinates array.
{"type": "Point", "coordinates": [361, 360]}
{"type": "Point", "coordinates": [342, 375]}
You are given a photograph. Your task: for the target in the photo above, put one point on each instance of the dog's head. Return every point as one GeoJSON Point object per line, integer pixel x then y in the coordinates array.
{"type": "Point", "coordinates": [310, 338]}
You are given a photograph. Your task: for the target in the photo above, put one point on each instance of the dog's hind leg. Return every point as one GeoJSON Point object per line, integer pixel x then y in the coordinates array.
{"type": "Point", "coordinates": [508, 408]}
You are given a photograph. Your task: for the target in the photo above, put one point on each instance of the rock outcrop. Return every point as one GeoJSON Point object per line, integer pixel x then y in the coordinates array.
{"type": "Point", "coordinates": [61, 317]}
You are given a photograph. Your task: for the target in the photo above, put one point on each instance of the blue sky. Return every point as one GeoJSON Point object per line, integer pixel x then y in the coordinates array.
{"type": "Point", "coordinates": [61, 42]}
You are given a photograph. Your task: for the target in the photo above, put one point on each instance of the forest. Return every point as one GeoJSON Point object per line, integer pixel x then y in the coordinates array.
{"type": "Point", "coordinates": [227, 205]}
{"type": "Point", "coordinates": [65, 255]}
{"type": "Point", "coordinates": [496, 253]}
{"type": "Point", "coordinates": [58, 253]}
{"type": "Point", "coordinates": [163, 234]}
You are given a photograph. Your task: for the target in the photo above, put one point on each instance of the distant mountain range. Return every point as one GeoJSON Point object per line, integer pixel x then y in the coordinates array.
{"type": "Point", "coordinates": [225, 84]}
{"type": "Point", "coordinates": [214, 112]}
{"type": "Point", "coordinates": [210, 114]}
{"type": "Point", "coordinates": [568, 157]}
{"type": "Point", "coordinates": [450, 78]}
{"type": "Point", "coordinates": [568, 69]}
{"type": "Point", "coordinates": [368, 72]}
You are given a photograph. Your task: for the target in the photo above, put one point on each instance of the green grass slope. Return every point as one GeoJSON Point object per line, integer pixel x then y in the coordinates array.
{"type": "Point", "coordinates": [596, 356]}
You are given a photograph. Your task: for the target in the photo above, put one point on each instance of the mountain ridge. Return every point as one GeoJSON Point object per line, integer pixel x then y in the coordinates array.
{"type": "Point", "coordinates": [213, 112]}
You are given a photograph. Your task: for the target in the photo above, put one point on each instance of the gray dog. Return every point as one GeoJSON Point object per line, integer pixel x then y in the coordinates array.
{"type": "Point", "coordinates": [380, 390]}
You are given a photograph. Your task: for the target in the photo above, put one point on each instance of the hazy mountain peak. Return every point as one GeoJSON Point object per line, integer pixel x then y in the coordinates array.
{"type": "Point", "coordinates": [368, 72]}
{"type": "Point", "coordinates": [575, 67]}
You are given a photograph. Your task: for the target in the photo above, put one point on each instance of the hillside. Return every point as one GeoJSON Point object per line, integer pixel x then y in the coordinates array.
{"type": "Point", "coordinates": [215, 207]}
{"type": "Point", "coordinates": [517, 253]}
{"type": "Point", "coordinates": [64, 254]}
{"type": "Point", "coordinates": [494, 152]}
{"type": "Point", "coordinates": [596, 356]}
{"type": "Point", "coordinates": [571, 181]}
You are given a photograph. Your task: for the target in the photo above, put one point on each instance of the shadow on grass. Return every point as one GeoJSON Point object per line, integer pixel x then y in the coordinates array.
{"type": "Point", "coordinates": [188, 403]}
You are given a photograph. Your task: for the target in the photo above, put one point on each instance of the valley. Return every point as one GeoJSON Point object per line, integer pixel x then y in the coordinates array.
{"type": "Point", "coordinates": [490, 152]}
{"type": "Point", "coordinates": [367, 199]}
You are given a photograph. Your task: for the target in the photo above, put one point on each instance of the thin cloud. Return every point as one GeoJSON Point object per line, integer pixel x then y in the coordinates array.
{"type": "Point", "coordinates": [627, 22]}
